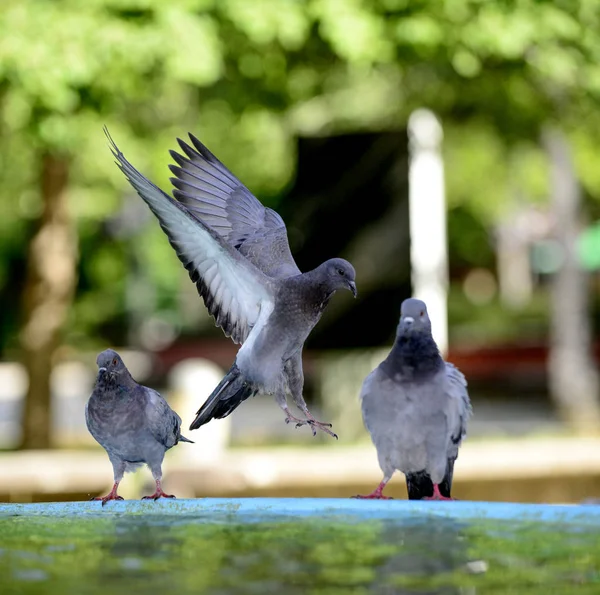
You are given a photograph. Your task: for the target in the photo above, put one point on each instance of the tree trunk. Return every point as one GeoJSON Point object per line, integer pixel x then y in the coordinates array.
{"type": "Point", "coordinates": [512, 256]}
{"type": "Point", "coordinates": [47, 296]}
{"type": "Point", "coordinates": [572, 375]}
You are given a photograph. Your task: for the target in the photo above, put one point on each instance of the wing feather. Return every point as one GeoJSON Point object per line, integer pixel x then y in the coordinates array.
{"type": "Point", "coordinates": [233, 289]}
{"type": "Point", "coordinates": [458, 409]}
{"type": "Point", "coordinates": [164, 424]}
{"type": "Point", "coordinates": [216, 197]}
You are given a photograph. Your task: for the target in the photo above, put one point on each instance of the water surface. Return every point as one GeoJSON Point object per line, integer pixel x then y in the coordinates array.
{"type": "Point", "coordinates": [222, 551]}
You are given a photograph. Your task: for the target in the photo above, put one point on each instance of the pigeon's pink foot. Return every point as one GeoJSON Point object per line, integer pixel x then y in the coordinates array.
{"type": "Point", "coordinates": [324, 427]}
{"type": "Point", "coordinates": [290, 418]}
{"type": "Point", "coordinates": [310, 421]}
{"type": "Point", "coordinates": [436, 494]}
{"type": "Point", "coordinates": [376, 494]}
{"type": "Point", "coordinates": [112, 495]}
{"type": "Point", "coordinates": [158, 493]}
{"type": "Point", "coordinates": [321, 425]}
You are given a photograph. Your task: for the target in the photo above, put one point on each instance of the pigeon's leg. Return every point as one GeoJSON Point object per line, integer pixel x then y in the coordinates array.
{"type": "Point", "coordinates": [295, 382]}
{"type": "Point", "coordinates": [436, 494]}
{"type": "Point", "coordinates": [282, 401]}
{"type": "Point", "coordinates": [289, 418]}
{"type": "Point", "coordinates": [377, 493]}
{"type": "Point", "coordinates": [157, 474]}
{"type": "Point", "coordinates": [118, 471]}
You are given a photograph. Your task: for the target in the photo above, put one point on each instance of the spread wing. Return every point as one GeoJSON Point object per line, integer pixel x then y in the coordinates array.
{"type": "Point", "coordinates": [233, 289]}
{"type": "Point", "coordinates": [458, 408]}
{"type": "Point", "coordinates": [216, 197]}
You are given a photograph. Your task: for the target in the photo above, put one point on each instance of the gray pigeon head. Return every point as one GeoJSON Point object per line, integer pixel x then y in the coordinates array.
{"type": "Point", "coordinates": [110, 363]}
{"type": "Point", "coordinates": [413, 317]}
{"type": "Point", "coordinates": [339, 274]}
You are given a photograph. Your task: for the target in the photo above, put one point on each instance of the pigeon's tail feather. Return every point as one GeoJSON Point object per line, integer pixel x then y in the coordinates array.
{"type": "Point", "coordinates": [184, 439]}
{"type": "Point", "coordinates": [419, 484]}
{"type": "Point", "coordinates": [231, 392]}
{"type": "Point", "coordinates": [446, 485]}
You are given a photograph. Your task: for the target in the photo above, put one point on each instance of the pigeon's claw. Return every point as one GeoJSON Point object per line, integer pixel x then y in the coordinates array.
{"type": "Point", "coordinates": [316, 425]}
{"type": "Point", "coordinates": [373, 496]}
{"type": "Point", "coordinates": [158, 493]}
{"type": "Point", "coordinates": [307, 423]}
{"type": "Point", "coordinates": [324, 427]}
{"type": "Point", "coordinates": [310, 421]}
{"type": "Point", "coordinates": [105, 499]}
{"type": "Point", "coordinates": [291, 419]}
{"type": "Point", "coordinates": [377, 493]}
{"type": "Point", "coordinates": [112, 495]}
{"type": "Point", "coordinates": [436, 494]}
{"type": "Point", "coordinates": [321, 425]}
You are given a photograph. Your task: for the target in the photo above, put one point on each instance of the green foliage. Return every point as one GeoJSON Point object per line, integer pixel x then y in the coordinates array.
{"type": "Point", "coordinates": [488, 324]}
{"type": "Point", "coordinates": [247, 77]}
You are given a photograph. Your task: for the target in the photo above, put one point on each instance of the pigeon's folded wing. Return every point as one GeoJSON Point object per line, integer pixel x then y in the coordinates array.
{"type": "Point", "coordinates": [371, 401]}
{"type": "Point", "coordinates": [164, 424]}
{"type": "Point", "coordinates": [234, 290]}
{"type": "Point", "coordinates": [458, 408]}
{"type": "Point", "coordinates": [216, 197]}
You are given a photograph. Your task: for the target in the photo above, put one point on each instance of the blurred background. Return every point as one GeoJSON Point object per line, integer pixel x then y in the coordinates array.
{"type": "Point", "coordinates": [447, 148]}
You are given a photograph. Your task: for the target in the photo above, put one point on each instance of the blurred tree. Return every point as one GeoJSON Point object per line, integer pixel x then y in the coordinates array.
{"type": "Point", "coordinates": [498, 74]}
{"type": "Point", "coordinates": [572, 377]}
{"type": "Point", "coordinates": [65, 68]}
{"type": "Point", "coordinates": [49, 288]}
{"type": "Point", "coordinates": [248, 77]}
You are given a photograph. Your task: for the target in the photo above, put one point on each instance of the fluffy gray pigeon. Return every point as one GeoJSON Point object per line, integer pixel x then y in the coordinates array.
{"type": "Point", "coordinates": [416, 406]}
{"type": "Point", "coordinates": [133, 423]}
{"type": "Point", "coordinates": [237, 253]}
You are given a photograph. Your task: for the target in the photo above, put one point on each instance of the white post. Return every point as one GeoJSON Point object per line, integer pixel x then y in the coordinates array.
{"type": "Point", "coordinates": [191, 381]}
{"type": "Point", "coordinates": [427, 218]}
{"type": "Point", "coordinates": [13, 388]}
{"type": "Point", "coordinates": [71, 383]}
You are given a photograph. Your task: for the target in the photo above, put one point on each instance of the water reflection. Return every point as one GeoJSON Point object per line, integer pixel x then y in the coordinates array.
{"type": "Point", "coordinates": [134, 544]}
{"type": "Point", "coordinates": [429, 548]}
{"type": "Point", "coordinates": [224, 554]}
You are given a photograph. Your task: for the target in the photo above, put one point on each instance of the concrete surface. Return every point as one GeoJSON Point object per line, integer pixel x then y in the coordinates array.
{"type": "Point", "coordinates": [263, 508]}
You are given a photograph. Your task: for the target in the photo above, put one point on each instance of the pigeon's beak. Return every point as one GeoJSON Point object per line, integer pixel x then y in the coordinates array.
{"type": "Point", "coordinates": [101, 370]}
{"type": "Point", "coordinates": [406, 323]}
{"type": "Point", "coordinates": [352, 287]}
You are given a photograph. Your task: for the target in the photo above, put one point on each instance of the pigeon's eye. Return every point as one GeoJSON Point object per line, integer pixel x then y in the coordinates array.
{"type": "Point", "coordinates": [341, 272]}
{"type": "Point", "coordinates": [115, 361]}
{"type": "Point", "coordinates": [422, 314]}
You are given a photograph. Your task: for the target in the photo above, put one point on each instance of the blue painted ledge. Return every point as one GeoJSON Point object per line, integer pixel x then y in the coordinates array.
{"type": "Point", "coordinates": [249, 509]}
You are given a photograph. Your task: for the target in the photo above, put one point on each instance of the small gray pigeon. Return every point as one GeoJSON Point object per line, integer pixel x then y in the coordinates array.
{"type": "Point", "coordinates": [237, 253]}
{"type": "Point", "coordinates": [133, 423]}
{"type": "Point", "coordinates": [416, 406]}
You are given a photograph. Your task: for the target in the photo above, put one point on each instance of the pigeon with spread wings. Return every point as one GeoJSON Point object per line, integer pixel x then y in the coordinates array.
{"type": "Point", "coordinates": [237, 253]}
